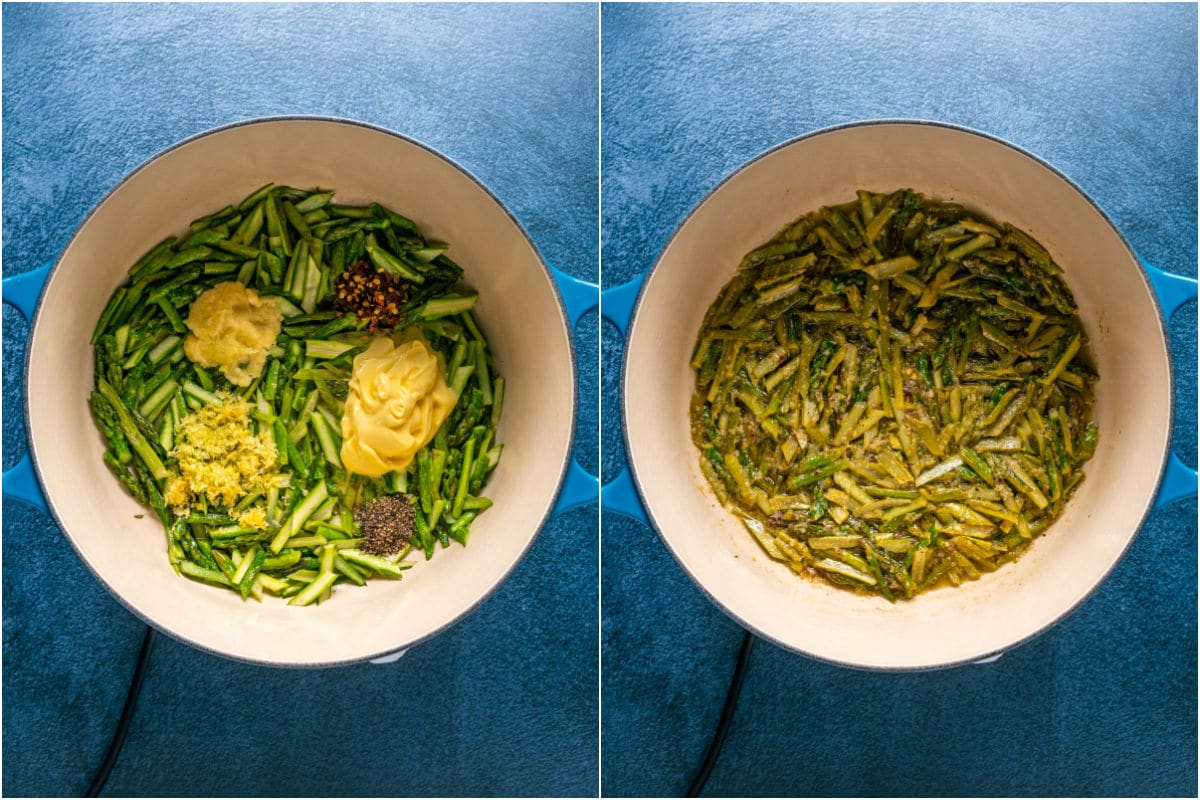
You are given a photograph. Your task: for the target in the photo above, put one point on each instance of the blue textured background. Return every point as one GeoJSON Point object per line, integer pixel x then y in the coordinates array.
{"type": "Point", "coordinates": [1104, 703]}
{"type": "Point", "coordinates": [502, 703]}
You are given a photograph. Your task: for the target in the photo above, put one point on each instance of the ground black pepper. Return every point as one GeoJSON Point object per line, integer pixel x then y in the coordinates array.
{"type": "Point", "coordinates": [370, 294]}
{"type": "Point", "coordinates": [386, 524]}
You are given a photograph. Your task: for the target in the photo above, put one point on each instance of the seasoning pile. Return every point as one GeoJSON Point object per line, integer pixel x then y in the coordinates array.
{"type": "Point", "coordinates": [386, 525]}
{"type": "Point", "coordinates": [372, 295]}
{"type": "Point", "coordinates": [220, 460]}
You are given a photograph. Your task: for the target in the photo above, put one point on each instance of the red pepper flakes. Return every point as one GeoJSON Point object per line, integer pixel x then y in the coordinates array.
{"type": "Point", "coordinates": [371, 295]}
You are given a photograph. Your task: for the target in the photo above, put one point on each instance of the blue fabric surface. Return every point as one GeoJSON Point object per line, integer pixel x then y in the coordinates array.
{"type": "Point", "coordinates": [502, 703]}
{"type": "Point", "coordinates": [1105, 702]}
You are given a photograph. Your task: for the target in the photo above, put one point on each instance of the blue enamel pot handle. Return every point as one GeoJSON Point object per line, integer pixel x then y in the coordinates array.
{"type": "Point", "coordinates": [22, 291]}
{"type": "Point", "coordinates": [581, 486]}
{"type": "Point", "coordinates": [1179, 480]}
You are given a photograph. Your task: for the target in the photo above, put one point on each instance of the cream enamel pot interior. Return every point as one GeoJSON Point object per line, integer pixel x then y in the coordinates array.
{"type": "Point", "coordinates": [1133, 408]}
{"type": "Point", "coordinates": [518, 308]}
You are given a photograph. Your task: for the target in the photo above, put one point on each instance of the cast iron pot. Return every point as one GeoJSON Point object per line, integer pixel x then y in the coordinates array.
{"type": "Point", "coordinates": [522, 314]}
{"type": "Point", "coordinates": [1116, 297]}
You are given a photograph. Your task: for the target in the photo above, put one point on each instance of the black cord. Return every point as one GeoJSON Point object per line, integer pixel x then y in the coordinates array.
{"type": "Point", "coordinates": [731, 699]}
{"type": "Point", "coordinates": [131, 699]}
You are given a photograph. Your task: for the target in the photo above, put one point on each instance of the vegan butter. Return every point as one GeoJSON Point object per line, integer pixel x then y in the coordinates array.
{"type": "Point", "coordinates": [232, 328]}
{"type": "Point", "coordinates": [398, 398]}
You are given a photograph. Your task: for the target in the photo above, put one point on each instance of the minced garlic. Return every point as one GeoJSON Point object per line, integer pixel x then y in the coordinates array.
{"type": "Point", "coordinates": [221, 459]}
{"type": "Point", "coordinates": [232, 328]}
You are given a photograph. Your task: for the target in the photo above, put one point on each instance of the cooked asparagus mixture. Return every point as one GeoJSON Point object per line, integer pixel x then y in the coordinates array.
{"type": "Point", "coordinates": [894, 394]}
{"type": "Point", "coordinates": [223, 368]}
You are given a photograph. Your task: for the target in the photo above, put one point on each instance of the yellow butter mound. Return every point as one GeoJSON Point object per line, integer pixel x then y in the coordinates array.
{"type": "Point", "coordinates": [398, 399]}
{"type": "Point", "coordinates": [232, 328]}
{"type": "Point", "coordinates": [221, 459]}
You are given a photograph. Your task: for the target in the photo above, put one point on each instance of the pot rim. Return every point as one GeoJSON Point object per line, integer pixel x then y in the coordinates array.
{"type": "Point", "coordinates": [31, 338]}
{"type": "Point", "coordinates": [633, 470]}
